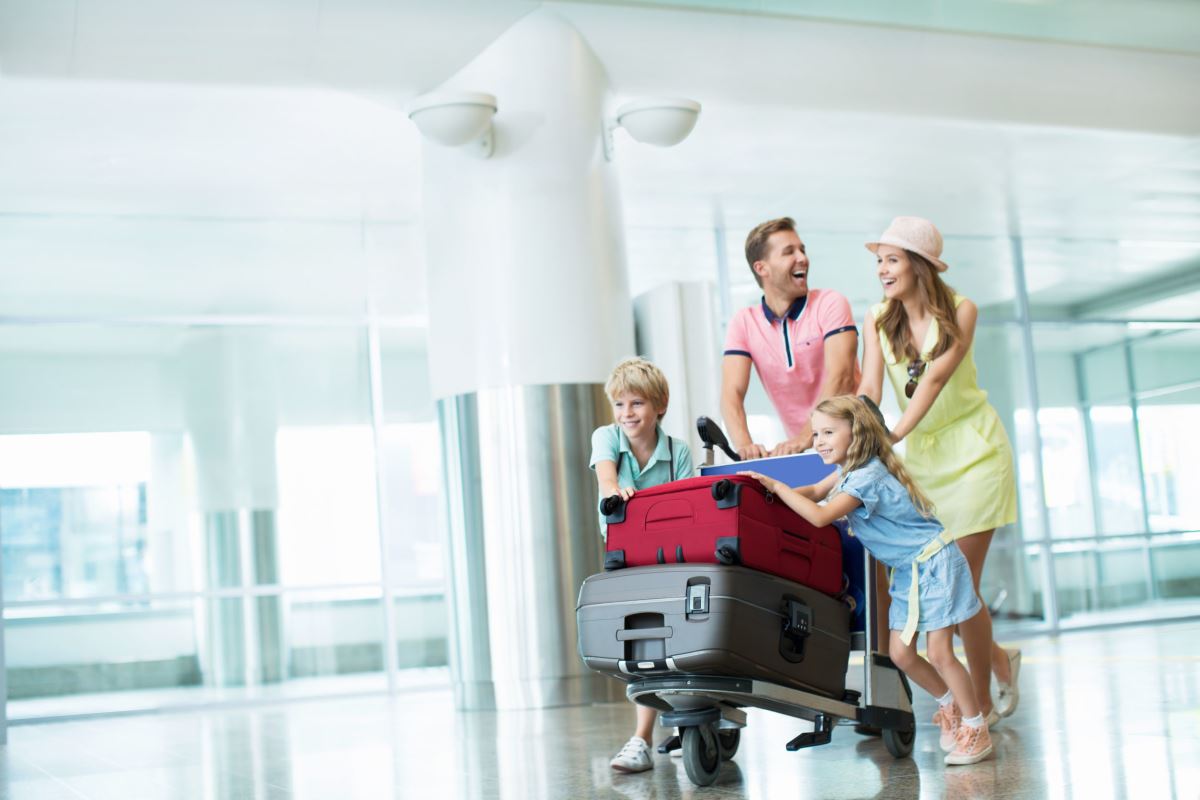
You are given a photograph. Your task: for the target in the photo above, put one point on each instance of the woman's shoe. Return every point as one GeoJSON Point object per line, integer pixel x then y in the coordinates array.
{"type": "Point", "coordinates": [1009, 694]}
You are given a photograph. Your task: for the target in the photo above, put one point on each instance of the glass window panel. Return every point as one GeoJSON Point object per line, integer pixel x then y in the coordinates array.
{"type": "Point", "coordinates": [1068, 494]}
{"type": "Point", "coordinates": [91, 514]}
{"type": "Point", "coordinates": [1167, 361]}
{"type": "Point", "coordinates": [1076, 582]}
{"type": "Point", "coordinates": [411, 458]}
{"type": "Point", "coordinates": [55, 650]}
{"type": "Point", "coordinates": [1091, 580]}
{"type": "Point", "coordinates": [1170, 439]}
{"type": "Point", "coordinates": [333, 633]}
{"type": "Point", "coordinates": [422, 627]}
{"type": "Point", "coordinates": [1123, 578]}
{"type": "Point", "coordinates": [1118, 482]}
{"type": "Point", "coordinates": [1106, 377]}
{"type": "Point", "coordinates": [1177, 569]}
{"type": "Point", "coordinates": [327, 504]}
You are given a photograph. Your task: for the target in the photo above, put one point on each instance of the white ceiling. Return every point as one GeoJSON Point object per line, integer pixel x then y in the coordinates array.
{"type": "Point", "coordinates": [240, 158]}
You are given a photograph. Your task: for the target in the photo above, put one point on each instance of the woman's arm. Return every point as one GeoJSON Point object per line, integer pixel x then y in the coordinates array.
{"type": "Point", "coordinates": [872, 364]}
{"type": "Point", "coordinates": [938, 373]}
{"type": "Point", "coordinates": [820, 516]}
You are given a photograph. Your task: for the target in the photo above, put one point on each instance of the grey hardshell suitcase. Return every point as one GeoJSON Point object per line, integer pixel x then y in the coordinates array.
{"type": "Point", "coordinates": [709, 619]}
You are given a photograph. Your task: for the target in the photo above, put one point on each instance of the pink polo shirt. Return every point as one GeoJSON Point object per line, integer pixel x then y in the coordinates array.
{"type": "Point", "coordinates": [789, 353]}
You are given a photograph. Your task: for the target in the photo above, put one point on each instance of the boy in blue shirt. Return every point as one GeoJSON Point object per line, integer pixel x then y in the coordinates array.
{"type": "Point", "coordinates": [634, 453]}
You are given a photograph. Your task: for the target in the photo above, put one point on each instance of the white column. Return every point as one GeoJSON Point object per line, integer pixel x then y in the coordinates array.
{"type": "Point", "coordinates": [529, 310]}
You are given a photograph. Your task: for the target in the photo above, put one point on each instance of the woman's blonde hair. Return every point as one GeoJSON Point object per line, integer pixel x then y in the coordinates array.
{"type": "Point", "coordinates": [938, 297]}
{"type": "Point", "coordinates": [640, 377]}
{"type": "Point", "coordinates": [869, 439]}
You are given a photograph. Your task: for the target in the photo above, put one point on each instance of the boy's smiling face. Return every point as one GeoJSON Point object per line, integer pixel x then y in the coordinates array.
{"type": "Point", "coordinates": [636, 415]}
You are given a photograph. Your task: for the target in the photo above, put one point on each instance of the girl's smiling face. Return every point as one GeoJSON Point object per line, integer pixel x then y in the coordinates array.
{"type": "Point", "coordinates": [831, 438]}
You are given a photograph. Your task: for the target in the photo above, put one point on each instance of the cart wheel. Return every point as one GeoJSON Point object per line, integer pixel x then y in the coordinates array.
{"type": "Point", "coordinates": [900, 742]}
{"type": "Point", "coordinates": [701, 754]}
{"type": "Point", "coordinates": [729, 740]}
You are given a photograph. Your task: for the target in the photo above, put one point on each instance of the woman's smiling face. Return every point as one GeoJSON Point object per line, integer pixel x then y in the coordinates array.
{"type": "Point", "coordinates": [895, 271]}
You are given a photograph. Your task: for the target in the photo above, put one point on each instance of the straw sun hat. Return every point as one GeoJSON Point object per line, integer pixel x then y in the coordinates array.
{"type": "Point", "coordinates": [916, 235]}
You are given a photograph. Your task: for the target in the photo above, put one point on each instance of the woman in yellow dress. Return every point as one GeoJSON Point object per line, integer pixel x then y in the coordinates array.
{"type": "Point", "coordinates": [956, 447]}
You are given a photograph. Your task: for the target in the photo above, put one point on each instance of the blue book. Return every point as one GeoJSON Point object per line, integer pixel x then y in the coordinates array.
{"type": "Point", "coordinates": [797, 470]}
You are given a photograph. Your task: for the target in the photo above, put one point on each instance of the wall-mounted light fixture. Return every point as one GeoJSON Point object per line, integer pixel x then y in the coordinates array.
{"type": "Point", "coordinates": [456, 119]}
{"type": "Point", "coordinates": [660, 121]}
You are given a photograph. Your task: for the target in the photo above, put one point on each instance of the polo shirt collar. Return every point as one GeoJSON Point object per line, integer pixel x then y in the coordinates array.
{"type": "Point", "coordinates": [662, 451]}
{"type": "Point", "coordinates": [793, 313]}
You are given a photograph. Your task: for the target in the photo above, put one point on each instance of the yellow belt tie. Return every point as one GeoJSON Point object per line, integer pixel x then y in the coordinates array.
{"type": "Point", "coordinates": [914, 593]}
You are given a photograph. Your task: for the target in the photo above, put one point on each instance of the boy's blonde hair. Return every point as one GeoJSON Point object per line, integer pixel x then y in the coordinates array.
{"type": "Point", "coordinates": [869, 439]}
{"type": "Point", "coordinates": [640, 377]}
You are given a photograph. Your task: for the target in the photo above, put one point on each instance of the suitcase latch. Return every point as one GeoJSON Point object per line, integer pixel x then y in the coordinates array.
{"type": "Point", "coordinates": [697, 599]}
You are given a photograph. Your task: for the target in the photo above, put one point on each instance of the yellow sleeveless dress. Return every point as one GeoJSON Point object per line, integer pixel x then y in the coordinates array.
{"type": "Point", "coordinates": [959, 452]}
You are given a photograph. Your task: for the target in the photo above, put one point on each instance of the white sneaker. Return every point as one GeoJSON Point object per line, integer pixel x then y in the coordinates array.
{"type": "Point", "coordinates": [993, 718]}
{"type": "Point", "coordinates": [1008, 694]}
{"type": "Point", "coordinates": [634, 756]}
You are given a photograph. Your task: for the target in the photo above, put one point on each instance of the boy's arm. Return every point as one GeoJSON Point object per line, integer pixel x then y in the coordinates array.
{"type": "Point", "coordinates": [606, 480]}
{"type": "Point", "coordinates": [820, 516]}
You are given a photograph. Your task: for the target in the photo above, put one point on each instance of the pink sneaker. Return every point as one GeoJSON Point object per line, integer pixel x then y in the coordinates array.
{"type": "Point", "coordinates": [972, 745]}
{"type": "Point", "coordinates": [949, 719]}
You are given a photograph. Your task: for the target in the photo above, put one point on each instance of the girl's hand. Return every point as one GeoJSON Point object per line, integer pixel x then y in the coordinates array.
{"type": "Point", "coordinates": [895, 439]}
{"type": "Point", "coordinates": [626, 493]}
{"type": "Point", "coordinates": [770, 484]}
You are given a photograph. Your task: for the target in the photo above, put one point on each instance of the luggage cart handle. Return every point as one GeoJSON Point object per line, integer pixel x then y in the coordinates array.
{"type": "Point", "coordinates": [712, 435]}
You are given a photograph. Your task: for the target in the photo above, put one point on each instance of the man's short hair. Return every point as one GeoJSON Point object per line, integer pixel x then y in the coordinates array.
{"type": "Point", "coordinates": [756, 241]}
{"type": "Point", "coordinates": [640, 377]}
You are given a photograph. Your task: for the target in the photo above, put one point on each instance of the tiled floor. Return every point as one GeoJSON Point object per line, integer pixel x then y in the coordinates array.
{"type": "Point", "coordinates": [1103, 714]}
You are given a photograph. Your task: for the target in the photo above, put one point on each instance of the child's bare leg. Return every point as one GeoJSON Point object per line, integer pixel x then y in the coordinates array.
{"type": "Point", "coordinates": [920, 671]}
{"type": "Point", "coordinates": [939, 645]}
{"type": "Point", "coordinates": [646, 717]}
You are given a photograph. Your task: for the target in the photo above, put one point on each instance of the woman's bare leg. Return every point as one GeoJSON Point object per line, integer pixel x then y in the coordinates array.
{"type": "Point", "coordinates": [976, 632]}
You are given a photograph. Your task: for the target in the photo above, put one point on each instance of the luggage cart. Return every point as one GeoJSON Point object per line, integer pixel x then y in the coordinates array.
{"type": "Point", "coordinates": [709, 711]}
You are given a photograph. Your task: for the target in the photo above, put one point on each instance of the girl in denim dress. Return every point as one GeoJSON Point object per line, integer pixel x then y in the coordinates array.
{"type": "Point", "coordinates": [931, 588]}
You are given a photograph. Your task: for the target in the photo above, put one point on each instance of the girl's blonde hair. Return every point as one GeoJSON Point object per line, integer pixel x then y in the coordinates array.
{"type": "Point", "coordinates": [869, 439]}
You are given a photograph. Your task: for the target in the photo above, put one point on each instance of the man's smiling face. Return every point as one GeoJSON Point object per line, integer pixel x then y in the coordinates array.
{"type": "Point", "coordinates": [785, 269]}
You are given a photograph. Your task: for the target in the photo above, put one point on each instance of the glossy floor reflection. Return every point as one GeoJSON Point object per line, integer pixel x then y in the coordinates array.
{"type": "Point", "coordinates": [1103, 714]}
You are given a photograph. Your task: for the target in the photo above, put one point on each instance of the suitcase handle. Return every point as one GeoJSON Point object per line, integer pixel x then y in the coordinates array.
{"type": "Point", "coordinates": [795, 543]}
{"type": "Point", "coordinates": [635, 634]}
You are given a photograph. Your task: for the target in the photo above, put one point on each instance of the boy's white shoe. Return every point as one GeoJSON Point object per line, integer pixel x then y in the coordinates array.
{"type": "Point", "coordinates": [634, 756]}
{"type": "Point", "coordinates": [1008, 694]}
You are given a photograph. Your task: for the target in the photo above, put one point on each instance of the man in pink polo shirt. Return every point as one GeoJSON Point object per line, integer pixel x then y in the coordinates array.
{"type": "Point", "coordinates": [802, 342]}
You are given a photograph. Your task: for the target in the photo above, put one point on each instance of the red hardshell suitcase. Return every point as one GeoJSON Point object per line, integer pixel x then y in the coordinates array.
{"type": "Point", "coordinates": [723, 520]}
